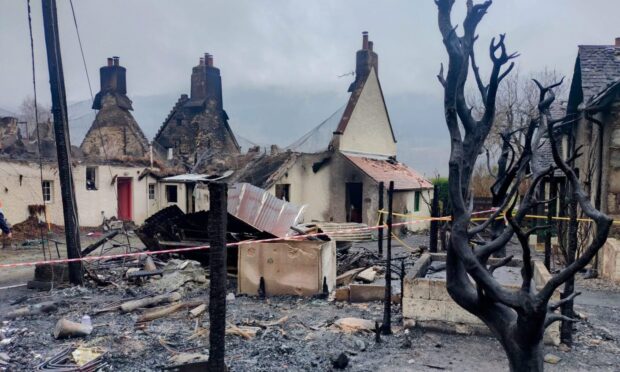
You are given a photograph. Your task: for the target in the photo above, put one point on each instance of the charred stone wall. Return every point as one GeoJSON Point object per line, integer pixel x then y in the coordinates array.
{"type": "Point", "coordinates": [197, 128]}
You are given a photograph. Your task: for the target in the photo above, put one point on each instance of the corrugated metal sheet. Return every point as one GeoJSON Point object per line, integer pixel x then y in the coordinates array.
{"type": "Point", "coordinates": [262, 210]}
{"type": "Point", "coordinates": [385, 170]}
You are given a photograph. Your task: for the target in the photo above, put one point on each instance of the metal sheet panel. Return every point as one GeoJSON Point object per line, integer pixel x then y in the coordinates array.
{"type": "Point", "coordinates": [262, 210]}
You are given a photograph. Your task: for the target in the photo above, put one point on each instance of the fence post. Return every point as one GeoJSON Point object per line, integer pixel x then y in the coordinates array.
{"type": "Point", "coordinates": [380, 231]}
{"type": "Point", "coordinates": [218, 215]}
{"type": "Point", "coordinates": [387, 309]}
{"type": "Point", "coordinates": [434, 233]}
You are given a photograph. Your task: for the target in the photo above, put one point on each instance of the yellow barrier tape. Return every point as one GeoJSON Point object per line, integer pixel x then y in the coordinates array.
{"type": "Point", "coordinates": [500, 217]}
{"type": "Point", "coordinates": [411, 249]}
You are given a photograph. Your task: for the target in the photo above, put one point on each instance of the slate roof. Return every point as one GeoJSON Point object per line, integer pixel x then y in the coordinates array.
{"type": "Point", "coordinates": [265, 169]}
{"type": "Point", "coordinates": [384, 169]}
{"type": "Point", "coordinates": [318, 139]}
{"type": "Point", "coordinates": [600, 66]}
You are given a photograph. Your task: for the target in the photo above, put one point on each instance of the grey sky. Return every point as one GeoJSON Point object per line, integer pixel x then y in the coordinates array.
{"type": "Point", "coordinates": [293, 46]}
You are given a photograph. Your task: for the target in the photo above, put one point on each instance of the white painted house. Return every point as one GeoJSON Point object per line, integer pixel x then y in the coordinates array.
{"type": "Point", "coordinates": [335, 169]}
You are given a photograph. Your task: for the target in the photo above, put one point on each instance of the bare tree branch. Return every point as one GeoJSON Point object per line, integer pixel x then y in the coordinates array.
{"type": "Point", "coordinates": [503, 262]}
{"type": "Point", "coordinates": [556, 305]}
{"type": "Point", "coordinates": [554, 317]}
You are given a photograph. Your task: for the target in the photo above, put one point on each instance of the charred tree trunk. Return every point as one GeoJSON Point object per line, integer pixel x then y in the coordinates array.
{"type": "Point", "coordinates": [218, 214]}
{"type": "Point", "coordinates": [517, 318]}
{"type": "Point", "coordinates": [525, 356]}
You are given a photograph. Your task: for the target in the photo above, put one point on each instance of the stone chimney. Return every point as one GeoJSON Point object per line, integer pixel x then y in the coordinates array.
{"type": "Point", "coordinates": [365, 60]}
{"type": "Point", "coordinates": [113, 77]}
{"type": "Point", "coordinates": [206, 82]}
{"type": "Point", "coordinates": [113, 81]}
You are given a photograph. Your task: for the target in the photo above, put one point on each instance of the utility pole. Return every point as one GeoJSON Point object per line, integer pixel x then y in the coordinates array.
{"type": "Point", "coordinates": [63, 144]}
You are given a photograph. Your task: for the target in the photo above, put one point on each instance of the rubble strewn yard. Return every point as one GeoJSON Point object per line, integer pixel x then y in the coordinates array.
{"type": "Point", "coordinates": [275, 333]}
{"type": "Point", "coordinates": [163, 239]}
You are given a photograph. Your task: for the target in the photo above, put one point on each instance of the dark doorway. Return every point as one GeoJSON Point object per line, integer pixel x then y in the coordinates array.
{"type": "Point", "coordinates": [125, 200]}
{"type": "Point", "coordinates": [190, 200]}
{"type": "Point", "coordinates": [354, 201]}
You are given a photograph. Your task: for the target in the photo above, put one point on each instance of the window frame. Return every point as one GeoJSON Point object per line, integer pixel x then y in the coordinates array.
{"type": "Point", "coordinates": [151, 191]}
{"type": "Point", "coordinates": [416, 201]}
{"type": "Point", "coordinates": [96, 178]}
{"type": "Point", "coordinates": [50, 191]}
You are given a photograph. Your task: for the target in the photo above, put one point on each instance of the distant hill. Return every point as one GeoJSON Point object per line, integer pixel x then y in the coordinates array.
{"type": "Point", "coordinates": [4, 112]}
{"type": "Point", "coordinates": [277, 116]}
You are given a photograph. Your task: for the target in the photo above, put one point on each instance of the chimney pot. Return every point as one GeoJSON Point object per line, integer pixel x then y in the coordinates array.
{"type": "Point", "coordinates": [202, 61]}
{"type": "Point", "coordinates": [365, 40]}
{"type": "Point", "coordinates": [210, 60]}
{"type": "Point", "coordinates": [109, 62]}
{"type": "Point", "coordinates": [370, 45]}
{"type": "Point", "coordinates": [618, 41]}
{"type": "Point", "coordinates": [116, 62]}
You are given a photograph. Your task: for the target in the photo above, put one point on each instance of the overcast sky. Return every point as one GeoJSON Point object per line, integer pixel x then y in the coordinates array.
{"type": "Point", "coordinates": [291, 46]}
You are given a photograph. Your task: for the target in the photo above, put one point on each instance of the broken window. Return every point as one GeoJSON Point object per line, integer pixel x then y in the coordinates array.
{"type": "Point", "coordinates": [91, 178]}
{"type": "Point", "coordinates": [184, 148]}
{"type": "Point", "coordinates": [47, 191]}
{"type": "Point", "coordinates": [171, 193]}
{"type": "Point", "coordinates": [416, 202]}
{"type": "Point", "coordinates": [283, 191]}
{"type": "Point", "coordinates": [151, 191]}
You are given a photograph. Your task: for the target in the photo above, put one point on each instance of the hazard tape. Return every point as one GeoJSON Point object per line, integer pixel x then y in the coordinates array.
{"type": "Point", "coordinates": [499, 217]}
{"type": "Point", "coordinates": [202, 247]}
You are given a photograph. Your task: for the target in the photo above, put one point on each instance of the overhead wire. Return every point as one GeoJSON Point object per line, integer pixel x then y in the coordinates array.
{"type": "Point", "coordinates": [90, 89]}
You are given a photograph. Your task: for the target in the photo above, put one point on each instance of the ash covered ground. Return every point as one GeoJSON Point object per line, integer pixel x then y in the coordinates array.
{"type": "Point", "coordinates": [297, 334]}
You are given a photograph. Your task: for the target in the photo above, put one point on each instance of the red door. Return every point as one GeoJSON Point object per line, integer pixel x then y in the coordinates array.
{"type": "Point", "coordinates": [124, 198]}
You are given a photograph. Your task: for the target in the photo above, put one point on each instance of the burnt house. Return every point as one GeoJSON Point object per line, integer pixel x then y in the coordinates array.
{"type": "Point", "coordinates": [335, 168]}
{"type": "Point", "coordinates": [593, 115]}
{"type": "Point", "coordinates": [114, 133]}
{"type": "Point", "coordinates": [196, 131]}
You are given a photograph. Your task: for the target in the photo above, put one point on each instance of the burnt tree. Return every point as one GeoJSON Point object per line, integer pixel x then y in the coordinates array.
{"type": "Point", "coordinates": [517, 318]}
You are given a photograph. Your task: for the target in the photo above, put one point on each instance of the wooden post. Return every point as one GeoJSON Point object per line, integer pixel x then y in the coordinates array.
{"type": "Point", "coordinates": [566, 329]}
{"type": "Point", "coordinates": [387, 301]}
{"type": "Point", "coordinates": [218, 214]}
{"type": "Point", "coordinates": [380, 231]}
{"type": "Point", "coordinates": [63, 143]}
{"type": "Point", "coordinates": [551, 211]}
{"type": "Point", "coordinates": [434, 233]}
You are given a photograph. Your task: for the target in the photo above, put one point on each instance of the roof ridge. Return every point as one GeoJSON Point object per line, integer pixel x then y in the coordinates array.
{"type": "Point", "coordinates": [182, 99]}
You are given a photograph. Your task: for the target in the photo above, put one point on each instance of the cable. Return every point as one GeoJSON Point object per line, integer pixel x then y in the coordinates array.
{"type": "Point", "coordinates": [90, 89]}
{"type": "Point", "coordinates": [81, 49]}
{"type": "Point", "coordinates": [103, 147]}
